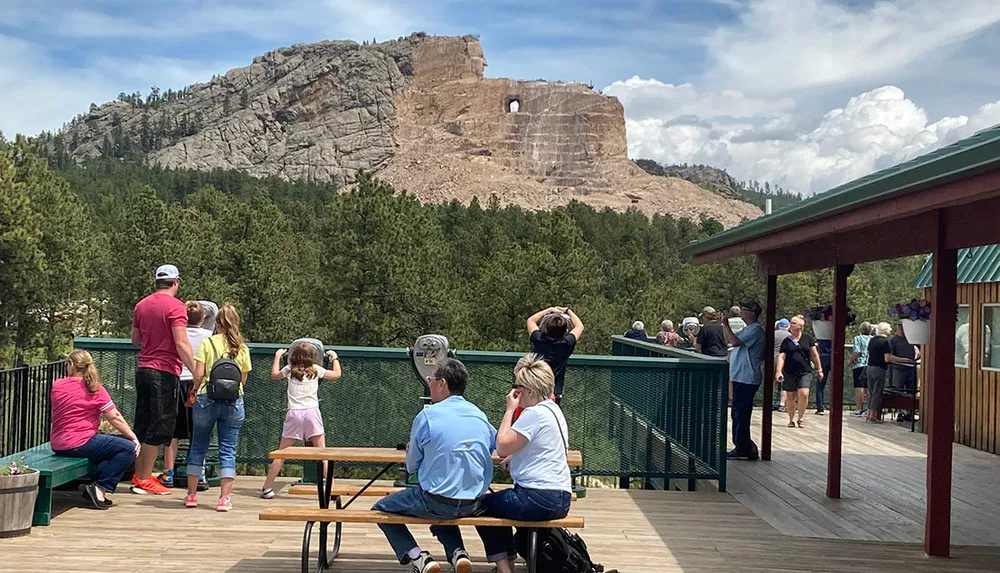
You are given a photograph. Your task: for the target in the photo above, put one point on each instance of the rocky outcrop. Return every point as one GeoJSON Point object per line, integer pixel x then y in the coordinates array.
{"type": "Point", "coordinates": [418, 110]}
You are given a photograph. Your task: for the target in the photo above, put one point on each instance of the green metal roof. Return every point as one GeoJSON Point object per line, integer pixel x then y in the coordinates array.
{"type": "Point", "coordinates": [975, 265]}
{"type": "Point", "coordinates": [960, 160]}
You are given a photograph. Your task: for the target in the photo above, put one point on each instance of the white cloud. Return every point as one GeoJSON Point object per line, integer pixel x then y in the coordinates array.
{"type": "Point", "coordinates": [778, 45]}
{"type": "Point", "coordinates": [874, 130]}
{"type": "Point", "coordinates": [38, 94]}
{"type": "Point", "coordinates": [649, 98]}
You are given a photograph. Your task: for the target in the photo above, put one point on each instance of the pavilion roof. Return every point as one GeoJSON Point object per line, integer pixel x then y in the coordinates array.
{"type": "Point", "coordinates": [960, 160]}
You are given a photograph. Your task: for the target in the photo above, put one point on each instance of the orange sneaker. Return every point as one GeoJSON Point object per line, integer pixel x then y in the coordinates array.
{"type": "Point", "coordinates": [149, 486]}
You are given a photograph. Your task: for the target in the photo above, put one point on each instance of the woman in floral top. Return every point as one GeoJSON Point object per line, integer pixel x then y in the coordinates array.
{"type": "Point", "coordinates": [667, 335]}
{"type": "Point", "coordinates": [859, 362]}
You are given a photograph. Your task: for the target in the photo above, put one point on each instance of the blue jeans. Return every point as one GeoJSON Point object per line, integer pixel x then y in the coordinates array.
{"type": "Point", "coordinates": [207, 414]}
{"type": "Point", "coordinates": [414, 502]}
{"type": "Point", "coordinates": [522, 504]}
{"type": "Point", "coordinates": [743, 395]}
{"type": "Point", "coordinates": [820, 390]}
{"type": "Point", "coordinates": [111, 455]}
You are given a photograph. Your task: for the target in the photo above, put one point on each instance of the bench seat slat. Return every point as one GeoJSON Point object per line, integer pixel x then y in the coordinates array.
{"type": "Point", "coordinates": [364, 516]}
{"type": "Point", "coordinates": [372, 491]}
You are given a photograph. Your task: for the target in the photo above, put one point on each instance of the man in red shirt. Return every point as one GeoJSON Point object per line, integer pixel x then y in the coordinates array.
{"type": "Point", "coordinates": [159, 329]}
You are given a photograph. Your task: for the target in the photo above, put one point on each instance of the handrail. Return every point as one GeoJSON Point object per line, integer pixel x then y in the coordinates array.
{"type": "Point", "coordinates": [670, 351]}
{"type": "Point", "coordinates": [469, 356]}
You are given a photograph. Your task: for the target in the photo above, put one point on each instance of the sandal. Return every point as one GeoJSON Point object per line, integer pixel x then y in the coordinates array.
{"type": "Point", "coordinates": [266, 493]}
{"type": "Point", "coordinates": [801, 424]}
{"type": "Point", "coordinates": [791, 424]}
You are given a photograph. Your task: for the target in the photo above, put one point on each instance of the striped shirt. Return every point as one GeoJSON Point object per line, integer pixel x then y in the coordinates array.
{"type": "Point", "coordinates": [861, 347]}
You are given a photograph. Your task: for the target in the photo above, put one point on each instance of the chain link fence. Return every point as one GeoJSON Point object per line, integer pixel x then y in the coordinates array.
{"type": "Point", "coordinates": [620, 410]}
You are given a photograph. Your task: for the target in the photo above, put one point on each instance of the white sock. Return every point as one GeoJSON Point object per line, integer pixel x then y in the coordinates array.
{"type": "Point", "coordinates": [100, 493]}
{"type": "Point", "coordinates": [413, 553]}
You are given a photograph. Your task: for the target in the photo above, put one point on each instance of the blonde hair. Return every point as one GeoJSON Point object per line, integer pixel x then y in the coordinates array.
{"type": "Point", "coordinates": [228, 325]}
{"type": "Point", "coordinates": [667, 325]}
{"type": "Point", "coordinates": [883, 329]}
{"type": "Point", "coordinates": [535, 376]}
{"type": "Point", "coordinates": [80, 364]}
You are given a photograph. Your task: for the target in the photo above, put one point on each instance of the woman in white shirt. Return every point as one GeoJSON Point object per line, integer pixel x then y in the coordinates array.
{"type": "Point", "coordinates": [535, 447]}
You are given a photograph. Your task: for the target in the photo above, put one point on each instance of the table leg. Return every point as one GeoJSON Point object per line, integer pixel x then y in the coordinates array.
{"type": "Point", "coordinates": [369, 484]}
{"type": "Point", "coordinates": [325, 487]}
{"type": "Point", "coordinates": [532, 560]}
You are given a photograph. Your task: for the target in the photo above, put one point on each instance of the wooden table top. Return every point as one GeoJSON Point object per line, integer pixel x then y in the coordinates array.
{"type": "Point", "coordinates": [374, 455]}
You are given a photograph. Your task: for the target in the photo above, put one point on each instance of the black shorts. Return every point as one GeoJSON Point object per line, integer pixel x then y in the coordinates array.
{"type": "Point", "coordinates": [155, 406]}
{"type": "Point", "coordinates": [185, 421]}
{"type": "Point", "coordinates": [860, 377]}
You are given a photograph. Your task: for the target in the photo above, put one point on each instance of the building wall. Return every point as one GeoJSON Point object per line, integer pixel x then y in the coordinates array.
{"type": "Point", "coordinates": [977, 391]}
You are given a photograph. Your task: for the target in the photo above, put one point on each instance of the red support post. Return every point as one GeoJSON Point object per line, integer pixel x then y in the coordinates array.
{"type": "Point", "coordinates": [941, 401]}
{"type": "Point", "coordinates": [770, 316]}
{"type": "Point", "coordinates": [836, 381]}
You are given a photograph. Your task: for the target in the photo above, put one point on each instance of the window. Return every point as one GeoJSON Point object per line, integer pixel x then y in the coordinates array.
{"type": "Point", "coordinates": [962, 337]}
{"type": "Point", "coordinates": [513, 105]}
{"type": "Point", "coordinates": [991, 346]}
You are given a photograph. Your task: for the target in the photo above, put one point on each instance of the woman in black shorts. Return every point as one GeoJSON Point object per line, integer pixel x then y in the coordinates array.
{"type": "Point", "coordinates": [793, 370]}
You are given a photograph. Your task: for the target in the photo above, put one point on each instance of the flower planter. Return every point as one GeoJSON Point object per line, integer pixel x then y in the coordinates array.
{"type": "Point", "coordinates": [17, 503]}
{"type": "Point", "coordinates": [917, 331]}
{"type": "Point", "coordinates": [823, 329]}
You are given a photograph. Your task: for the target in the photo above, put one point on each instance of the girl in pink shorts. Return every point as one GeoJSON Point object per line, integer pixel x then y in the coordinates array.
{"type": "Point", "coordinates": [303, 421]}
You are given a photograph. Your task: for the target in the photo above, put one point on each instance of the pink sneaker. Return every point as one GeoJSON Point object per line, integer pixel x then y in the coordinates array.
{"type": "Point", "coordinates": [225, 504]}
{"type": "Point", "coordinates": [191, 500]}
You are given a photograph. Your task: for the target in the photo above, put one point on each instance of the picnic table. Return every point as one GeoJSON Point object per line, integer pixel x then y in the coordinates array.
{"type": "Point", "coordinates": [390, 457]}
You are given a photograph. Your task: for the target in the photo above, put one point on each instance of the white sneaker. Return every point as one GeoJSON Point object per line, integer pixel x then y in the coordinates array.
{"type": "Point", "coordinates": [461, 562]}
{"type": "Point", "coordinates": [424, 564]}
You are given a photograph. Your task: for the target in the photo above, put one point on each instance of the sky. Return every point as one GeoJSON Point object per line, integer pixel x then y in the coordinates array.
{"type": "Point", "coordinates": [805, 94]}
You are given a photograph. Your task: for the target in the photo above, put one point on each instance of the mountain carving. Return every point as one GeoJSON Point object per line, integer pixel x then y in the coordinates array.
{"type": "Point", "coordinates": [418, 111]}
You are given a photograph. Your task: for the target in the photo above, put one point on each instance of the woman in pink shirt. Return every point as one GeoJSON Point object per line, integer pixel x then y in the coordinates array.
{"type": "Point", "coordinates": [78, 401]}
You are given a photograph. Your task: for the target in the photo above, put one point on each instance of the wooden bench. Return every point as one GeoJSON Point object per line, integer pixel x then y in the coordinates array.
{"type": "Point", "coordinates": [372, 491]}
{"type": "Point", "coordinates": [53, 471]}
{"type": "Point", "coordinates": [340, 516]}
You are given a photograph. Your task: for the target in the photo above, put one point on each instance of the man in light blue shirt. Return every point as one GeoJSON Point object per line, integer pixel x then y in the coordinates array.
{"type": "Point", "coordinates": [746, 374]}
{"type": "Point", "coordinates": [451, 451]}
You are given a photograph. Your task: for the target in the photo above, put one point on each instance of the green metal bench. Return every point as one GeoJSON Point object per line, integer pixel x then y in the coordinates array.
{"type": "Point", "coordinates": [54, 471]}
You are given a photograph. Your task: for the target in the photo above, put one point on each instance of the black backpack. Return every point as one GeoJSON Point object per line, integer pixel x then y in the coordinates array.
{"type": "Point", "coordinates": [224, 379]}
{"type": "Point", "coordinates": [557, 551]}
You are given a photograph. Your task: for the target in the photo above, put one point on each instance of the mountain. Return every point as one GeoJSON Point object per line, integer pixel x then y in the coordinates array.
{"type": "Point", "coordinates": [416, 110]}
{"type": "Point", "coordinates": [718, 181]}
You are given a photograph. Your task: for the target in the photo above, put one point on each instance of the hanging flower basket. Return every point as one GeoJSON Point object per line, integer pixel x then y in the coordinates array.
{"type": "Point", "coordinates": [821, 319]}
{"type": "Point", "coordinates": [916, 319]}
{"type": "Point", "coordinates": [18, 490]}
{"type": "Point", "coordinates": [917, 331]}
{"type": "Point", "coordinates": [823, 329]}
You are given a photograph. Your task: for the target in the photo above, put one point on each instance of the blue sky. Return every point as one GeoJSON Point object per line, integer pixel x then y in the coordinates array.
{"type": "Point", "coordinates": [799, 92]}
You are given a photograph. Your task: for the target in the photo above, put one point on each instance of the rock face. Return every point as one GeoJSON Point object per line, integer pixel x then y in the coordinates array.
{"type": "Point", "coordinates": [418, 111]}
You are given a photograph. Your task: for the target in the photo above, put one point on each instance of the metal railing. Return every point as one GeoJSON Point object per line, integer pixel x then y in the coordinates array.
{"type": "Point", "coordinates": [25, 400]}
{"type": "Point", "coordinates": [607, 399]}
{"type": "Point", "coordinates": [678, 420]}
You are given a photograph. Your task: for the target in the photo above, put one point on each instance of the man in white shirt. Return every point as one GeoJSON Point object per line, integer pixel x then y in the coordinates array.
{"type": "Point", "coordinates": [182, 430]}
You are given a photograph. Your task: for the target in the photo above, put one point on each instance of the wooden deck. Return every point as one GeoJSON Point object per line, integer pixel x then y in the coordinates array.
{"type": "Point", "coordinates": [634, 531]}
{"type": "Point", "coordinates": [883, 491]}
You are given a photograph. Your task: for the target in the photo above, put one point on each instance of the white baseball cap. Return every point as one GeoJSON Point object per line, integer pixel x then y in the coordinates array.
{"type": "Point", "coordinates": [167, 272]}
